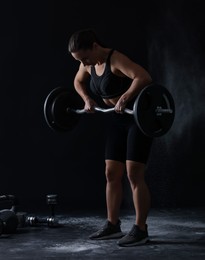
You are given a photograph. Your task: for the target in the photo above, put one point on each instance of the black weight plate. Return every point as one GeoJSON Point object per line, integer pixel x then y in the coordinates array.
{"type": "Point", "coordinates": [65, 120]}
{"type": "Point", "coordinates": [150, 122]}
{"type": "Point", "coordinates": [48, 107]}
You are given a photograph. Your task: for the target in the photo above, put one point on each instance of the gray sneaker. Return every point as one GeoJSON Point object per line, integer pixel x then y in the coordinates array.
{"type": "Point", "coordinates": [108, 231]}
{"type": "Point", "coordinates": [135, 237]}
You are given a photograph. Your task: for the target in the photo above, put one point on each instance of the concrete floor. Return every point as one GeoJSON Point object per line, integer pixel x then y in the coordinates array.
{"type": "Point", "coordinates": [174, 234]}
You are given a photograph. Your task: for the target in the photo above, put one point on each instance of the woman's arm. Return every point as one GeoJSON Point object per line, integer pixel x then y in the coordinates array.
{"type": "Point", "coordinates": [121, 64]}
{"type": "Point", "coordinates": [80, 82]}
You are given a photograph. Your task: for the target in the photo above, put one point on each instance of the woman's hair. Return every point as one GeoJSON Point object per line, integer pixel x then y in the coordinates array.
{"type": "Point", "coordinates": [83, 40]}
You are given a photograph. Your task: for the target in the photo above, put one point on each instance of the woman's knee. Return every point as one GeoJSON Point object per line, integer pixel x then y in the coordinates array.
{"type": "Point", "coordinates": [114, 171]}
{"type": "Point", "coordinates": [135, 172]}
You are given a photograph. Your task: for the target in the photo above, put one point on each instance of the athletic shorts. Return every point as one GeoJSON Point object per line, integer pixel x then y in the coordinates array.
{"type": "Point", "coordinates": [124, 139]}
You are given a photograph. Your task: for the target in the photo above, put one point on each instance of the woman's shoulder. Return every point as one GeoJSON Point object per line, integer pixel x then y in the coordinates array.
{"type": "Point", "coordinates": [119, 57]}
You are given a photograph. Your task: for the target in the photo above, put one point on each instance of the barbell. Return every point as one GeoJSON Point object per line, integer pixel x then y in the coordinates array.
{"type": "Point", "coordinates": [153, 110]}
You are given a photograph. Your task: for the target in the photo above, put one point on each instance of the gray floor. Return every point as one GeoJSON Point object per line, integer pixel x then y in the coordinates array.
{"type": "Point", "coordinates": [174, 234]}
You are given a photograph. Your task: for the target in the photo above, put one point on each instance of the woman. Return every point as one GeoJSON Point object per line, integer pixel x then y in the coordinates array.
{"type": "Point", "coordinates": [117, 80]}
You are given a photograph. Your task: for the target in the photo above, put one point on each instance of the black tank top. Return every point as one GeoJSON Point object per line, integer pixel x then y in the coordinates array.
{"type": "Point", "coordinates": [108, 85]}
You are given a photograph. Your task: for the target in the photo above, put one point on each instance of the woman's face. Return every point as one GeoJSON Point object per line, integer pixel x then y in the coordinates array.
{"type": "Point", "coordinates": [87, 57]}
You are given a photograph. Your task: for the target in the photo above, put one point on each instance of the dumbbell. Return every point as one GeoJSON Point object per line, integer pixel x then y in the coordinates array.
{"type": "Point", "coordinates": [52, 200]}
{"type": "Point", "coordinates": [32, 220]}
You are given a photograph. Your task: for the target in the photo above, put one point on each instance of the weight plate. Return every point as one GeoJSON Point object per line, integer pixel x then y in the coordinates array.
{"type": "Point", "coordinates": [48, 105]}
{"type": "Point", "coordinates": [55, 109]}
{"type": "Point", "coordinates": [154, 110]}
{"type": "Point", "coordinates": [64, 118]}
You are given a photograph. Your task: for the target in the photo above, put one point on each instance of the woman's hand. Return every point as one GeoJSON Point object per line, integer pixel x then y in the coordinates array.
{"type": "Point", "coordinates": [90, 105]}
{"type": "Point", "coordinates": [120, 106]}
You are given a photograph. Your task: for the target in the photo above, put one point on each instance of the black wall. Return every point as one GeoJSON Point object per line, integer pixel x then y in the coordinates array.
{"type": "Point", "coordinates": [166, 37]}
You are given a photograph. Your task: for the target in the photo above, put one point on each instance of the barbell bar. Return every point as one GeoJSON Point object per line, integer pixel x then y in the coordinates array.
{"type": "Point", "coordinates": [159, 110]}
{"type": "Point", "coordinates": [99, 109]}
{"type": "Point", "coordinates": [153, 110]}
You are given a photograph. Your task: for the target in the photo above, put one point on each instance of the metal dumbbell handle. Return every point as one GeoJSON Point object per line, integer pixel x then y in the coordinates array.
{"type": "Point", "coordinates": [34, 220]}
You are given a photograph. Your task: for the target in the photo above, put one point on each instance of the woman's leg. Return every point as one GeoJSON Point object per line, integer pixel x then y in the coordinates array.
{"type": "Point", "coordinates": [114, 172]}
{"type": "Point", "coordinates": [140, 191]}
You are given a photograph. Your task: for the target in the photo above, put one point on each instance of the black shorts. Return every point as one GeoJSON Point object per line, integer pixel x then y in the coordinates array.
{"type": "Point", "coordinates": [124, 140]}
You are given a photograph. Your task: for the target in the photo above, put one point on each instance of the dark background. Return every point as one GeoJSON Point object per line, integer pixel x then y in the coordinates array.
{"type": "Point", "coordinates": [166, 37]}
